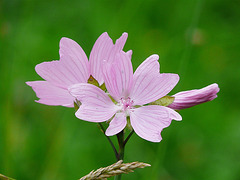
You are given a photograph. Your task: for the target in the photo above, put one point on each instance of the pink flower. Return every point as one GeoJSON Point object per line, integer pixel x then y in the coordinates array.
{"type": "Point", "coordinates": [186, 99]}
{"type": "Point", "coordinates": [130, 93]}
{"type": "Point", "coordinates": [73, 67]}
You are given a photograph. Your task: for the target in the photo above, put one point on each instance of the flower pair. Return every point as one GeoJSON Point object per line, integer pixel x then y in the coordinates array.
{"type": "Point", "coordinates": [129, 95]}
{"type": "Point", "coordinates": [72, 68]}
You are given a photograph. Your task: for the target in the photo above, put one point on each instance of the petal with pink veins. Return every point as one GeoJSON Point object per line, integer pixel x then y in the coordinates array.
{"type": "Point", "coordinates": [100, 51]}
{"type": "Point", "coordinates": [129, 53]}
{"type": "Point", "coordinates": [149, 66]}
{"type": "Point", "coordinates": [104, 49]}
{"type": "Point", "coordinates": [118, 76]}
{"type": "Point", "coordinates": [75, 54]}
{"type": "Point", "coordinates": [121, 41]}
{"type": "Point", "coordinates": [96, 104]}
{"type": "Point", "coordinates": [149, 121]}
{"type": "Point", "coordinates": [51, 95]}
{"type": "Point", "coordinates": [73, 66]}
{"type": "Point", "coordinates": [118, 47]}
{"type": "Point", "coordinates": [150, 87]}
{"type": "Point", "coordinates": [117, 124]}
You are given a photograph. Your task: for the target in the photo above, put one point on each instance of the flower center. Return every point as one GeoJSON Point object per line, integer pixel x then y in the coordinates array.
{"type": "Point", "coordinates": [125, 104]}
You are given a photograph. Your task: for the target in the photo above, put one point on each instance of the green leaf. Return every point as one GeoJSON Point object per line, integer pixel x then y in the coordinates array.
{"type": "Point", "coordinates": [164, 101]}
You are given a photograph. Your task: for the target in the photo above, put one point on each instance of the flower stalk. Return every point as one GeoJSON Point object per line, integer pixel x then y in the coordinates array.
{"type": "Point", "coordinates": [120, 137]}
{"type": "Point", "coordinates": [109, 140]}
{"type": "Point", "coordinates": [121, 143]}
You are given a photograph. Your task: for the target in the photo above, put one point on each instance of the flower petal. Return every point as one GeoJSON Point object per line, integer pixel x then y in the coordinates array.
{"type": "Point", "coordinates": [51, 95]}
{"type": "Point", "coordinates": [100, 51]}
{"type": "Point", "coordinates": [149, 66]}
{"type": "Point", "coordinates": [129, 53]}
{"type": "Point", "coordinates": [117, 124]}
{"type": "Point", "coordinates": [96, 104]}
{"type": "Point", "coordinates": [150, 87]}
{"type": "Point", "coordinates": [72, 68]}
{"type": "Point", "coordinates": [121, 41]}
{"type": "Point", "coordinates": [148, 121]}
{"type": "Point", "coordinates": [186, 99]}
{"type": "Point", "coordinates": [104, 49]}
{"type": "Point", "coordinates": [74, 56]}
{"type": "Point", "coordinates": [118, 47]}
{"type": "Point", "coordinates": [118, 76]}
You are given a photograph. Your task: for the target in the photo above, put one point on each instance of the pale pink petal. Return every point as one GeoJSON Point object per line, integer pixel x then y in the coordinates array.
{"type": "Point", "coordinates": [110, 80]}
{"type": "Point", "coordinates": [74, 56]}
{"type": "Point", "coordinates": [149, 66]}
{"type": "Point", "coordinates": [117, 124]}
{"type": "Point", "coordinates": [121, 41]}
{"type": "Point", "coordinates": [100, 51]}
{"type": "Point", "coordinates": [129, 53]}
{"type": "Point", "coordinates": [186, 99]}
{"type": "Point", "coordinates": [51, 95]}
{"type": "Point", "coordinates": [150, 87]}
{"type": "Point", "coordinates": [72, 68]}
{"type": "Point", "coordinates": [96, 104]}
{"type": "Point", "coordinates": [104, 49]}
{"type": "Point", "coordinates": [118, 47]}
{"type": "Point", "coordinates": [148, 121]}
{"type": "Point", "coordinates": [118, 76]}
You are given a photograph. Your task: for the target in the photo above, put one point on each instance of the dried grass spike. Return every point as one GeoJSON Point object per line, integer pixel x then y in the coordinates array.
{"type": "Point", "coordinates": [114, 170]}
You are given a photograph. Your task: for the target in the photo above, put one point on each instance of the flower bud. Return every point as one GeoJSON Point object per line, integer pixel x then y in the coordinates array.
{"type": "Point", "coordinates": [186, 99]}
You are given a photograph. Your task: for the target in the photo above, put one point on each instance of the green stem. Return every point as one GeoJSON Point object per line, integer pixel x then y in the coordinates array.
{"type": "Point", "coordinates": [121, 143]}
{"type": "Point", "coordinates": [109, 140]}
{"type": "Point", "coordinates": [120, 137]}
{"type": "Point", "coordinates": [126, 140]}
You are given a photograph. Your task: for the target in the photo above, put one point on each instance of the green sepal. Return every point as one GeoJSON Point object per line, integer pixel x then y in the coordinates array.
{"type": "Point", "coordinates": [129, 126]}
{"type": "Point", "coordinates": [103, 87]}
{"type": "Point", "coordinates": [113, 100]}
{"type": "Point", "coordinates": [164, 101]}
{"type": "Point", "coordinates": [93, 81]}
{"type": "Point", "coordinates": [77, 104]}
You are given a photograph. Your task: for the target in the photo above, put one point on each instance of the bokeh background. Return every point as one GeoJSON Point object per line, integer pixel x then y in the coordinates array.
{"type": "Point", "coordinates": [197, 39]}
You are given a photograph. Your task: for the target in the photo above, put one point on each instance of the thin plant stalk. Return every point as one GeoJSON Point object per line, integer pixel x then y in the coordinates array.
{"type": "Point", "coordinates": [120, 137]}
{"type": "Point", "coordinates": [128, 137]}
{"type": "Point", "coordinates": [121, 144]}
{"type": "Point", "coordinates": [109, 140]}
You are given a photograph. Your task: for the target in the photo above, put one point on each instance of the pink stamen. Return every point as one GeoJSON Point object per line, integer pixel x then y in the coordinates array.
{"type": "Point", "coordinates": [126, 104]}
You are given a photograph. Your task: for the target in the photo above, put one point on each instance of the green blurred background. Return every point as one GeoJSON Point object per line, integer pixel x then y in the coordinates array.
{"type": "Point", "coordinates": [197, 39]}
